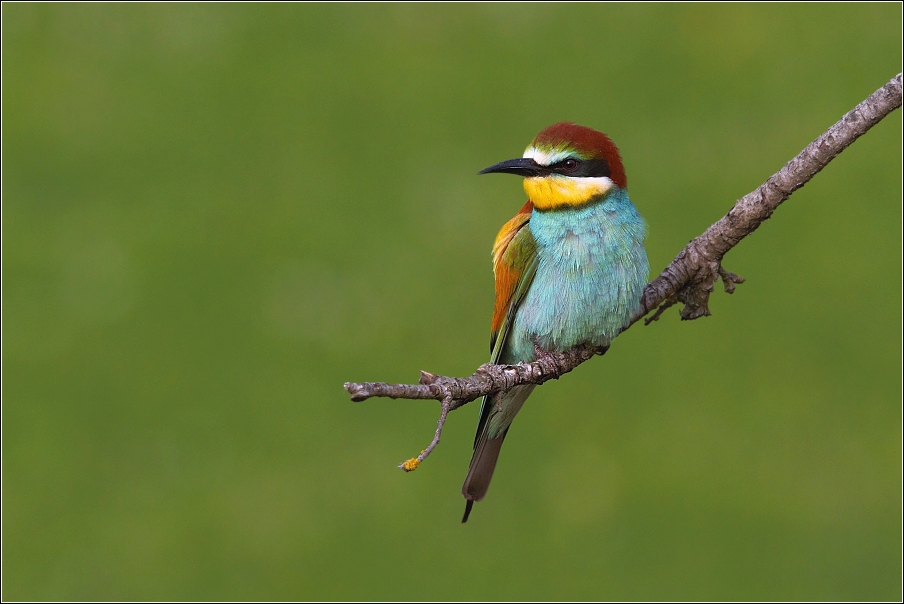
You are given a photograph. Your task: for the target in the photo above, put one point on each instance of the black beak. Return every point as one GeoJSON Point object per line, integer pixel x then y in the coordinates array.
{"type": "Point", "coordinates": [523, 166]}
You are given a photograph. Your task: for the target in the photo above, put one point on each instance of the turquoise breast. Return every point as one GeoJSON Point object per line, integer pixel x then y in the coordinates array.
{"type": "Point", "coordinates": [592, 269]}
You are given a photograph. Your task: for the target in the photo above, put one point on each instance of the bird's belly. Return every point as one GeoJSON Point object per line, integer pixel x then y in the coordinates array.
{"type": "Point", "coordinates": [586, 288]}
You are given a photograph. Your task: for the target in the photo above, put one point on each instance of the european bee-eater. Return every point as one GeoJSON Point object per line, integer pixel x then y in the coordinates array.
{"type": "Point", "coordinates": [569, 268]}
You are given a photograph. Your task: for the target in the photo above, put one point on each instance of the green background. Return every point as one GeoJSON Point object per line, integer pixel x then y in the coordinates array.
{"type": "Point", "coordinates": [213, 216]}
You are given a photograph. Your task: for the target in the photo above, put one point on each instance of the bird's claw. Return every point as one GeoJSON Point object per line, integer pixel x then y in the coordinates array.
{"type": "Point", "coordinates": [541, 354]}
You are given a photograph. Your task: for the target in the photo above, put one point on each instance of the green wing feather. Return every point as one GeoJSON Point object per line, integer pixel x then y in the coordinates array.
{"type": "Point", "coordinates": [519, 258]}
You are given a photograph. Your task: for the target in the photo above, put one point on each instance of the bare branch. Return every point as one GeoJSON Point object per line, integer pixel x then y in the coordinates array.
{"type": "Point", "coordinates": [691, 275]}
{"type": "Point", "coordinates": [488, 378]}
{"type": "Point", "coordinates": [689, 279]}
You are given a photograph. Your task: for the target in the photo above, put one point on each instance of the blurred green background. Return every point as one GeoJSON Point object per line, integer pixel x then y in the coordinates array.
{"type": "Point", "coordinates": [214, 215]}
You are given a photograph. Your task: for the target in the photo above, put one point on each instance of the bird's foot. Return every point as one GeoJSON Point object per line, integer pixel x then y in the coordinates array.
{"type": "Point", "coordinates": [544, 357]}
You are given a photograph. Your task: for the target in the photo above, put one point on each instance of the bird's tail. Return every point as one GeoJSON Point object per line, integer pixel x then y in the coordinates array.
{"type": "Point", "coordinates": [480, 472]}
{"type": "Point", "coordinates": [498, 411]}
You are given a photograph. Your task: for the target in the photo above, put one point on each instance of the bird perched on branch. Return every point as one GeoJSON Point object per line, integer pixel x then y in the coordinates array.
{"type": "Point", "coordinates": [569, 268]}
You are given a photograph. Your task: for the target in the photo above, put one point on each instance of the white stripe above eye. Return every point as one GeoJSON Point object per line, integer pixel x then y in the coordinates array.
{"type": "Point", "coordinates": [546, 158]}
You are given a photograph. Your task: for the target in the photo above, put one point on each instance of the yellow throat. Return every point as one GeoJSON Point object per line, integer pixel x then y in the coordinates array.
{"type": "Point", "coordinates": [554, 191]}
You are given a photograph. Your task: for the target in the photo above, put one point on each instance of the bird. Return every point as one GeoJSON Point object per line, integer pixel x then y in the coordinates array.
{"type": "Point", "coordinates": [569, 270]}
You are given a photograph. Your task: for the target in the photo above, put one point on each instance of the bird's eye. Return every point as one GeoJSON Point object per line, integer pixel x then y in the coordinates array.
{"type": "Point", "coordinates": [569, 165]}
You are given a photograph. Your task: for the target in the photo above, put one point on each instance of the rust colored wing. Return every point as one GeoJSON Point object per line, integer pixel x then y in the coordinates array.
{"type": "Point", "coordinates": [514, 265]}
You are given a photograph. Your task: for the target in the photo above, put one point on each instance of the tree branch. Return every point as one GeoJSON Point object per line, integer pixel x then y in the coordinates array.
{"type": "Point", "coordinates": [689, 278]}
{"type": "Point", "coordinates": [691, 275]}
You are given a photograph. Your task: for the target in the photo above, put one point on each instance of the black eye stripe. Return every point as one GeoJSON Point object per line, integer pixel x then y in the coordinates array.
{"type": "Point", "coordinates": [592, 168]}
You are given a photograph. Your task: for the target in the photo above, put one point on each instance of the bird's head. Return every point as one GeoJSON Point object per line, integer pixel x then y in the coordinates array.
{"type": "Point", "coordinates": [567, 165]}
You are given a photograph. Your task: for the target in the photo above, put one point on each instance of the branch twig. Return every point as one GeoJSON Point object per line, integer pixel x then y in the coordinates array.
{"type": "Point", "coordinates": [690, 278]}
